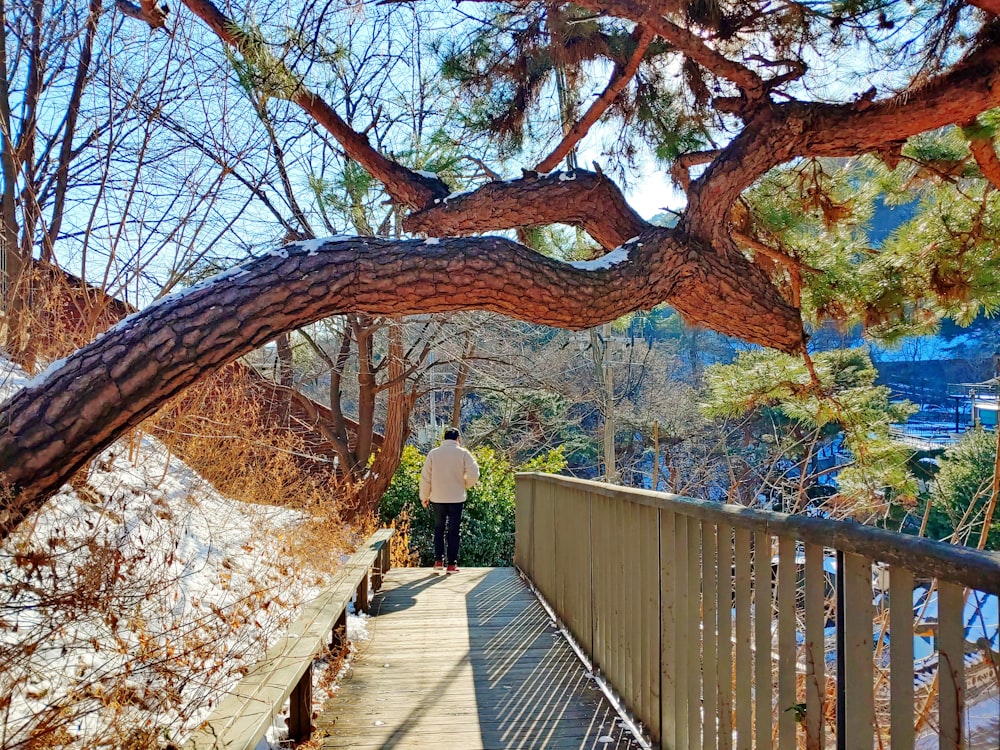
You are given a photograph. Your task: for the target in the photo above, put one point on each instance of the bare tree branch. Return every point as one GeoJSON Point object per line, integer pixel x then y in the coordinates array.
{"type": "Point", "coordinates": [685, 40]}
{"type": "Point", "coordinates": [579, 198]}
{"type": "Point", "coordinates": [619, 80]}
{"type": "Point", "coordinates": [780, 133]}
{"type": "Point", "coordinates": [404, 185]}
{"type": "Point", "coordinates": [681, 168]}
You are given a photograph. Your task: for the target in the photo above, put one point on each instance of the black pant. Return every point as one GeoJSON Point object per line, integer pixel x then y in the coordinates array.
{"type": "Point", "coordinates": [452, 513]}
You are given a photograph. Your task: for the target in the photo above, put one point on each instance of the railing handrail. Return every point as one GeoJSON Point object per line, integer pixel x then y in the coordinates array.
{"type": "Point", "coordinates": [978, 569]}
{"type": "Point", "coordinates": [242, 717]}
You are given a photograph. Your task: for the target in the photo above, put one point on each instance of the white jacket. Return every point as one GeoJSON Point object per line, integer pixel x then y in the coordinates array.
{"type": "Point", "coordinates": [448, 471]}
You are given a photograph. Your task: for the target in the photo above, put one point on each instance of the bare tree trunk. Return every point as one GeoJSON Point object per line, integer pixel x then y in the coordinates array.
{"type": "Point", "coordinates": [656, 455]}
{"type": "Point", "coordinates": [11, 263]}
{"type": "Point", "coordinates": [461, 378]}
{"type": "Point", "coordinates": [66, 154]}
{"type": "Point", "coordinates": [363, 334]}
{"type": "Point", "coordinates": [286, 364]}
{"type": "Point", "coordinates": [397, 427]}
{"type": "Point", "coordinates": [600, 349]}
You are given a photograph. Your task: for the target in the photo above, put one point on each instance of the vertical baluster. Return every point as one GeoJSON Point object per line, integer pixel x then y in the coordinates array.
{"type": "Point", "coordinates": [649, 590]}
{"type": "Point", "coordinates": [607, 584]}
{"type": "Point", "coordinates": [619, 621]}
{"type": "Point", "coordinates": [524, 511]}
{"type": "Point", "coordinates": [762, 640]}
{"type": "Point", "coordinates": [681, 639]}
{"type": "Point", "coordinates": [724, 609]}
{"type": "Point", "coordinates": [786, 643]}
{"type": "Point", "coordinates": [599, 563]}
{"type": "Point", "coordinates": [744, 660]}
{"type": "Point", "coordinates": [710, 579]}
{"type": "Point", "coordinates": [545, 550]}
{"type": "Point", "coordinates": [694, 655]}
{"type": "Point", "coordinates": [562, 520]}
{"type": "Point", "coordinates": [631, 610]}
{"type": "Point", "coordinates": [668, 631]}
{"type": "Point", "coordinates": [901, 657]}
{"type": "Point", "coordinates": [858, 622]}
{"type": "Point", "coordinates": [815, 646]}
{"type": "Point", "coordinates": [951, 665]}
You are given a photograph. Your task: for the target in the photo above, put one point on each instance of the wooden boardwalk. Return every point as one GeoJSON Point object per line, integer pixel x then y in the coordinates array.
{"type": "Point", "coordinates": [467, 662]}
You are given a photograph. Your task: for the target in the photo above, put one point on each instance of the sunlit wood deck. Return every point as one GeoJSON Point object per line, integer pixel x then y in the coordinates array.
{"type": "Point", "coordinates": [465, 662]}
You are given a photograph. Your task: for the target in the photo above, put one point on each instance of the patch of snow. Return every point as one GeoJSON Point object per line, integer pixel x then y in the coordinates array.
{"type": "Point", "coordinates": [131, 602]}
{"type": "Point", "coordinates": [616, 256]}
{"type": "Point", "coordinates": [567, 176]}
{"type": "Point", "coordinates": [428, 175]}
{"type": "Point", "coordinates": [12, 379]}
{"type": "Point", "coordinates": [432, 241]}
{"type": "Point", "coordinates": [458, 194]}
{"type": "Point", "coordinates": [45, 374]}
{"type": "Point", "coordinates": [312, 247]}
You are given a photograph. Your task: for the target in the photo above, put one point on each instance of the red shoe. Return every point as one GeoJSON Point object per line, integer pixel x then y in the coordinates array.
{"type": "Point", "coordinates": [438, 566]}
{"type": "Point", "coordinates": [452, 569]}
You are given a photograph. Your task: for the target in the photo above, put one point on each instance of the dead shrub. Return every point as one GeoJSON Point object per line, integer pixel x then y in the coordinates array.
{"type": "Point", "coordinates": [238, 433]}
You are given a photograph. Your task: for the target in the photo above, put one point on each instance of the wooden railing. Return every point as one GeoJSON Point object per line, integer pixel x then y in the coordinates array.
{"type": "Point", "coordinates": [285, 673]}
{"type": "Point", "coordinates": [723, 627]}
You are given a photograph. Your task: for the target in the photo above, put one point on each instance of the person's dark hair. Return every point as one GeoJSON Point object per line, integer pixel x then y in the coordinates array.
{"type": "Point", "coordinates": [451, 433]}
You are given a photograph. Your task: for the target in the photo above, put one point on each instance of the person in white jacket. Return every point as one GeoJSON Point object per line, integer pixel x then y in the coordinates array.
{"type": "Point", "coordinates": [448, 472]}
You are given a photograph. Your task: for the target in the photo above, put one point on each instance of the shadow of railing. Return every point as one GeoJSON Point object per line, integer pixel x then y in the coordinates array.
{"type": "Point", "coordinates": [531, 689]}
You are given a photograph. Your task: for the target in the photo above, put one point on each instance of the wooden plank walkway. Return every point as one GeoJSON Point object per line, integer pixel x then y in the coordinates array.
{"type": "Point", "coordinates": [467, 662]}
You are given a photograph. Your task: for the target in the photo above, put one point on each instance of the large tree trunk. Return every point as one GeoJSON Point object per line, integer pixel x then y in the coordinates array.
{"type": "Point", "coordinates": [50, 429]}
{"type": "Point", "coordinates": [399, 404]}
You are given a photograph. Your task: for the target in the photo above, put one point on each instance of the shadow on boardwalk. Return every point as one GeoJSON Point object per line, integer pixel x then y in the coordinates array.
{"type": "Point", "coordinates": [467, 662]}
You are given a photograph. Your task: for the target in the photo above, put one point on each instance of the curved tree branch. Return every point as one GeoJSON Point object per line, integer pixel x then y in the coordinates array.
{"type": "Point", "coordinates": [685, 40]}
{"type": "Point", "coordinates": [985, 155]}
{"type": "Point", "coordinates": [681, 168]}
{"type": "Point", "coordinates": [49, 430]}
{"type": "Point", "coordinates": [780, 133]}
{"type": "Point", "coordinates": [578, 198]}
{"type": "Point", "coordinates": [404, 185]}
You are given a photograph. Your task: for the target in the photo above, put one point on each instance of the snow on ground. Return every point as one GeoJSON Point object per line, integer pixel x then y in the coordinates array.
{"type": "Point", "coordinates": [129, 602]}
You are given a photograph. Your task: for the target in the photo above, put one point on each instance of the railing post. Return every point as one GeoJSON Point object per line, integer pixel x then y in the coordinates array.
{"type": "Point", "coordinates": [841, 656]}
{"type": "Point", "coordinates": [338, 638]}
{"type": "Point", "coordinates": [379, 570]}
{"type": "Point", "coordinates": [361, 603]}
{"type": "Point", "coordinates": [300, 709]}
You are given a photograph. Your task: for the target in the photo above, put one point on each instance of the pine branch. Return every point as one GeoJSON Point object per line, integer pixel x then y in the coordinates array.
{"type": "Point", "coordinates": [619, 80]}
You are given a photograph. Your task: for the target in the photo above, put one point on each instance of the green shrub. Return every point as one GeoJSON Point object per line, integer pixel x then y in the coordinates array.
{"type": "Point", "coordinates": [963, 488]}
{"type": "Point", "coordinates": [487, 533]}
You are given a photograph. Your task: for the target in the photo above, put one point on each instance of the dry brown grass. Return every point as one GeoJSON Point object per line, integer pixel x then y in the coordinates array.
{"type": "Point", "coordinates": [64, 315]}
{"type": "Point", "coordinates": [231, 431]}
